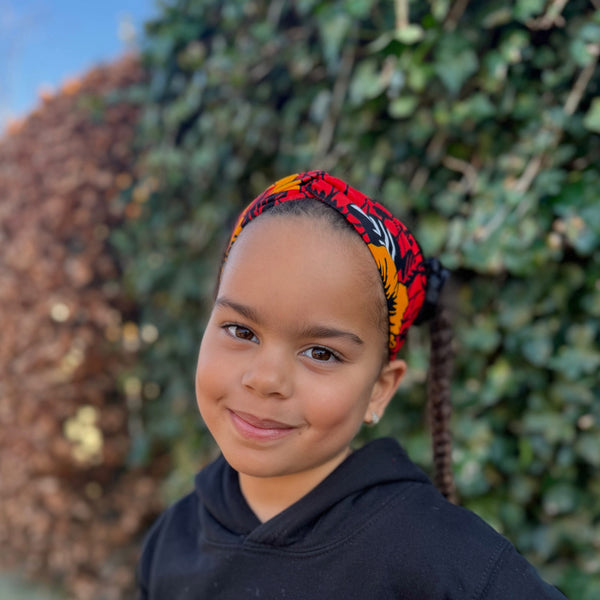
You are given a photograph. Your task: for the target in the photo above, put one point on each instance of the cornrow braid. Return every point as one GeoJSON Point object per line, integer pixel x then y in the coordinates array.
{"type": "Point", "coordinates": [439, 406]}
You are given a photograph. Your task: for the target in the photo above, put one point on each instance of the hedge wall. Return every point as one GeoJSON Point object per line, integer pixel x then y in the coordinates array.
{"type": "Point", "coordinates": [477, 122]}
{"type": "Point", "coordinates": [71, 513]}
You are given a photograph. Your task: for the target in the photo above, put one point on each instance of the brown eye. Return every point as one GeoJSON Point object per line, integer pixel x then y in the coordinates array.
{"type": "Point", "coordinates": [242, 333]}
{"type": "Point", "coordinates": [321, 354]}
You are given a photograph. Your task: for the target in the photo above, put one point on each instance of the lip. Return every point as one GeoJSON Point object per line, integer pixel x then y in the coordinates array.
{"type": "Point", "coordinates": [252, 427]}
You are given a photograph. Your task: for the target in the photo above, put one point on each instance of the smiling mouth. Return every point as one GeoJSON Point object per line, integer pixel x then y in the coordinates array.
{"type": "Point", "coordinates": [252, 427]}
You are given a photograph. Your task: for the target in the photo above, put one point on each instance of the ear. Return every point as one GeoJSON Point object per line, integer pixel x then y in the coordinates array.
{"type": "Point", "coordinates": [386, 385]}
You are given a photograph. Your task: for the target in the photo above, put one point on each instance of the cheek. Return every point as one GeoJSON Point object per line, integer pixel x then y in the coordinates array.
{"type": "Point", "coordinates": [209, 377]}
{"type": "Point", "coordinates": [337, 404]}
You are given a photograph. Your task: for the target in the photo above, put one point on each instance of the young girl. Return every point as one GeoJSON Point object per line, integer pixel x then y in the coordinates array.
{"type": "Point", "coordinates": [317, 291]}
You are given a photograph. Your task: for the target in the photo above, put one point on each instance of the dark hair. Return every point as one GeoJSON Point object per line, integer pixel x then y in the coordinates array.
{"type": "Point", "coordinates": [311, 207]}
{"type": "Point", "coordinates": [439, 405]}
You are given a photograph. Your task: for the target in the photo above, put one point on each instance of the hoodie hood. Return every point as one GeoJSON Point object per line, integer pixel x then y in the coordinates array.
{"type": "Point", "coordinates": [358, 487]}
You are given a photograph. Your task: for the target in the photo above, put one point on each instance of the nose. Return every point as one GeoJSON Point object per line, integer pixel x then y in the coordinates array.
{"type": "Point", "coordinates": [269, 374]}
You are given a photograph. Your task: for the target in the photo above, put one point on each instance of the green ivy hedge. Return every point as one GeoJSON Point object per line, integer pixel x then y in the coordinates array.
{"type": "Point", "coordinates": [478, 123]}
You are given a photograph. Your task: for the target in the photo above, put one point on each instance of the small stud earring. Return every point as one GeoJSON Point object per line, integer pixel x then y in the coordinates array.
{"type": "Point", "coordinates": [374, 418]}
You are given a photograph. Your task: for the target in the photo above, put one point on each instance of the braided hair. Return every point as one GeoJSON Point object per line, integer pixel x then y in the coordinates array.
{"type": "Point", "coordinates": [439, 406]}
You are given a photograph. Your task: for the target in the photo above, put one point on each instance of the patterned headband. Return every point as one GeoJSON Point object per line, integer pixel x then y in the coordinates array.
{"type": "Point", "coordinates": [403, 270]}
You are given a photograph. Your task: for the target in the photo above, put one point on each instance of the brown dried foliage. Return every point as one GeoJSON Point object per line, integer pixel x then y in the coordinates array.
{"type": "Point", "coordinates": [70, 511]}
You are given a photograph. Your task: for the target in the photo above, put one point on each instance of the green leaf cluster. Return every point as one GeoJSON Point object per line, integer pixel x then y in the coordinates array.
{"type": "Point", "coordinates": [480, 129]}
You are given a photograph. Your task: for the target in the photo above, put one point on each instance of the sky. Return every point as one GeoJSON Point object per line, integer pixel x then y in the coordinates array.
{"type": "Point", "coordinates": [45, 42]}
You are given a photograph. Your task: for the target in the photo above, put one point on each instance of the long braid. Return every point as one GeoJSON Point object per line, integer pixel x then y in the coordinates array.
{"type": "Point", "coordinates": [439, 402]}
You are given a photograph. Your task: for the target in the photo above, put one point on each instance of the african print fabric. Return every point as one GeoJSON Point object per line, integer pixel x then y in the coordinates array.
{"type": "Point", "coordinates": [395, 251]}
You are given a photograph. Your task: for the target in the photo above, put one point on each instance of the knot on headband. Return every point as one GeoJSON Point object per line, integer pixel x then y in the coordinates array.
{"type": "Point", "coordinates": [402, 268]}
{"type": "Point", "coordinates": [437, 275]}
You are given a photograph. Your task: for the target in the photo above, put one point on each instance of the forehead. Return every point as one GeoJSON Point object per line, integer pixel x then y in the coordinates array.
{"type": "Point", "coordinates": [303, 265]}
{"type": "Point", "coordinates": [314, 247]}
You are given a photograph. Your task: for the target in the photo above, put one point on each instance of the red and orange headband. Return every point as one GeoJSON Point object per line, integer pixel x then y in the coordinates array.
{"type": "Point", "coordinates": [403, 270]}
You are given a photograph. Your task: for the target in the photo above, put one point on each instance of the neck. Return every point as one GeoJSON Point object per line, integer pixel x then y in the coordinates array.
{"type": "Point", "coordinates": [268, 496]}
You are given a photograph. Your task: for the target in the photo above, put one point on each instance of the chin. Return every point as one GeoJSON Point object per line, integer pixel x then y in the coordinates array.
{"type": "Point", "coordinates": [252, 467]}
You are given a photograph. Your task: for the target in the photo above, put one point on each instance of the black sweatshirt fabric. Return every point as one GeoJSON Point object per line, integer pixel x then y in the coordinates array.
{"type": "Point", "coordinates": [376, 528]}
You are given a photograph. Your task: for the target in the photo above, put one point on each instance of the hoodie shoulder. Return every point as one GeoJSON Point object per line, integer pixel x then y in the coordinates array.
{"type": "Point", "coordinates": [175, 525]}
{"type": "Point", "coordinates": [446, 547]}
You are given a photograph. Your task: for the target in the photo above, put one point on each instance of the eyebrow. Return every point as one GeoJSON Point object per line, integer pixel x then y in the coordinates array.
{"type": "Point", "coordinates": [242, 309]}
{"type": "Point", "coordinates": [322, 331]}
{"type": "Point", "coordinates": [309, 331]}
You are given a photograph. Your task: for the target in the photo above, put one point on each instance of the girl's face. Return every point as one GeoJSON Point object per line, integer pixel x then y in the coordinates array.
{"type": "Point", "coordinates": [292, 360]}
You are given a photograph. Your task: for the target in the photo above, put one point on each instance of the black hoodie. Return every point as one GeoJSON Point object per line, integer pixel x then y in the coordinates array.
{"type": "Point", "coordinates": [376, 528]}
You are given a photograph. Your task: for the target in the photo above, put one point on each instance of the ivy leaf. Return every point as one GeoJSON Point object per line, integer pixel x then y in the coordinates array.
{"type": "Point", "coordinates": [403, 107]}
{"type": "Point", "coordinates": [592, 118]}
{"type": "Point", "coordinates": [411, 34]}
{"type": "Point", "coordinates": [560, 499]}
{"type": "Point", "coordinates": [456, 61]}
{"type": "Point", "coordinates": [588, 447]}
